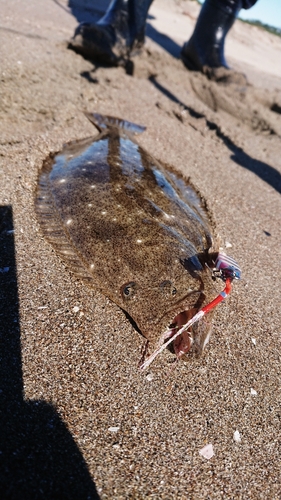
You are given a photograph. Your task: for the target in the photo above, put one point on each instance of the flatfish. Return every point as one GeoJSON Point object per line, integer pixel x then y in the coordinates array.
{"type": "Point", "coordinates": [132, 227]}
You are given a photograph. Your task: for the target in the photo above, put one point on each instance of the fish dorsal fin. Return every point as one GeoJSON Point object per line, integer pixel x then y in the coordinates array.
{"type": "Point", "coordinates": [52, 228]}
{"type": "Point", "coordinates": [103, 122]}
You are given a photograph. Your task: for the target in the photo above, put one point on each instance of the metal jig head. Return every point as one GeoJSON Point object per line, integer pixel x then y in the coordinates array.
{"type": "Point", "coordinates": [226, 268]}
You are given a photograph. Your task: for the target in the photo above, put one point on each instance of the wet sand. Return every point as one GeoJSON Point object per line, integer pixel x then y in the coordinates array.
{"type": "Point", "coordinates": [79, 419]}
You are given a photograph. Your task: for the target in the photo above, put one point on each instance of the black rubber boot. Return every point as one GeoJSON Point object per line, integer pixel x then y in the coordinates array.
{"type": "Point", "coordinates": [205, 49]}
{"type": "Point", "coordinates": [120, 31]}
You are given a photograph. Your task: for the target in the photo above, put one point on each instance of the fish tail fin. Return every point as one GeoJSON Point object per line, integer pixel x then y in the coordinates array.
{"type": "Point", "coordinates": [103, 122]}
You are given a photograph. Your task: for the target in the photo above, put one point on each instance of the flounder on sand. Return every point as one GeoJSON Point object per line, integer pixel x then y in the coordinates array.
{"type": "Point", "coordinates": [133, 228]}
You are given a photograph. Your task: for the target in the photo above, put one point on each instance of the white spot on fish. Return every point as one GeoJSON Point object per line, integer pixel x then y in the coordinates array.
{"type": "Point", "coordinates": [62, 181]}
{"type": "Point", "coordinates": [93, 186]}
{"type": "Point", "coordinates": [139, 241]}
{"type": "Point", "coordinates": [68, 222]}
{"type": "Point", "coordinates": [104, 212]}
{"type": "Point", "coordinates": [90, 204]}
{"type": "Point", "coordinates": [92, 266]}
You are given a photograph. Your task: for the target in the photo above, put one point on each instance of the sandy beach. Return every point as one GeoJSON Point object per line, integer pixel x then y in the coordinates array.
{"type": "Point", "coordinates": [79, 420]}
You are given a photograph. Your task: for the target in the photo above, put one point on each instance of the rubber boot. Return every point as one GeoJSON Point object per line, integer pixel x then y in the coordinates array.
{"type": "Point", "coordinates": [205, 49]}
{"type": "Point", "coordinates": [120, 31]}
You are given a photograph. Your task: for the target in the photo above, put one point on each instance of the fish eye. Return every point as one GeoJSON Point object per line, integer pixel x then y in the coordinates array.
{"type": "Point", "coordinates": [128, 290]}
{"type": "Point", "coordinates": [168, 288]}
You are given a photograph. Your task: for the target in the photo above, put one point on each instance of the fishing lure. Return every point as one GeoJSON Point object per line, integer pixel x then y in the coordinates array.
{"type": "Point", "coordinates": [227, 270]}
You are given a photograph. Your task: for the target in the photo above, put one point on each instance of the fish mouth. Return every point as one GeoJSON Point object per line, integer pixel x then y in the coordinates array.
{"type": "Point", "coordinates": [194, 337]}
{"type": "Point", "coordinates": [182, 335]}
{"type": "Point", "coordinates": [184, 342]}
{"type": "Point", "coordinates": [181, 315]}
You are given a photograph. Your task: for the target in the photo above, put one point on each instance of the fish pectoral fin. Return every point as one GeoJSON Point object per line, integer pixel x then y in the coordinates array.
{"type": "Point", "coordinates": [103, 122]}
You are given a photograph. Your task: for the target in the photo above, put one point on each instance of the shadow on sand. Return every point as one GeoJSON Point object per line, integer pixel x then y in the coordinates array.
{"type": "Point", "coordinates": [261, 169]}
{"type": "Point", "coordinates": [39, 458]}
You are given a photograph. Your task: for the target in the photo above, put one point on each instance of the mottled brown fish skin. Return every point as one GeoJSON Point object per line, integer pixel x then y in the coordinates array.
{"type": "Point", "coordinates": [133, 227]}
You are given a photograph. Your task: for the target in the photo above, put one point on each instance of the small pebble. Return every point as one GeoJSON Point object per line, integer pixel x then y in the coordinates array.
{"type": "Point", "coordinates": [149, 377]}
{"type": "Point", "coordinates": [207, 451]}
{"type": "Point", "coordinates": [254, 341]}
{"type": "Point", "coordinates": [75, 309]}
{"type": "Point", "coordinates": [237, 437]}
{"type": "Point", "coordinates": [113, 429]}
{"type": "Point", "coordinates": [228, 245]}
{"type": "Point", "coordinates": [253, 392]}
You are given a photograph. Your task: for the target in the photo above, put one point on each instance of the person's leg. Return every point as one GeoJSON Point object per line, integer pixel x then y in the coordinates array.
{"type": "Point", "coordinates": [205, 48]}
{"type": "Point", "coordinates": [116, 34]}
